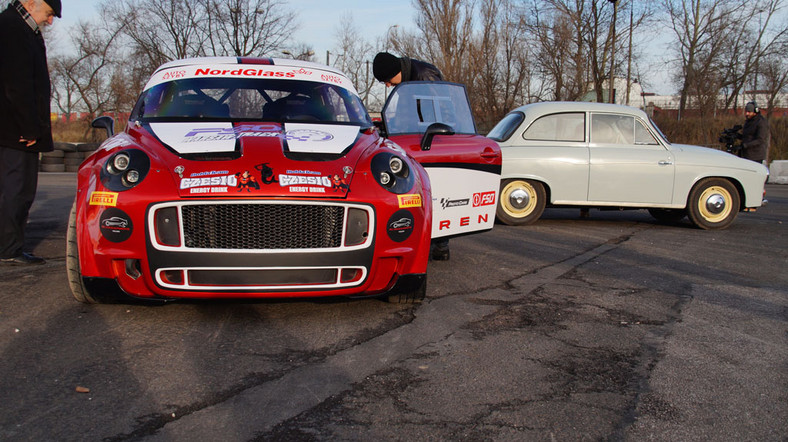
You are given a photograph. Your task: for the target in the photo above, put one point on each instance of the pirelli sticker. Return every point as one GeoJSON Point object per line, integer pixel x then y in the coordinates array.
{"type": "Point", "coordinates": [413, 200]}
{"type": "Point", "coordinates": [104, 199]}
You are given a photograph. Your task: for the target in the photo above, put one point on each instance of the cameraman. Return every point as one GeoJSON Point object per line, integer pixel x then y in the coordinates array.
{"type": "Point", "coordinates": [755, 134]}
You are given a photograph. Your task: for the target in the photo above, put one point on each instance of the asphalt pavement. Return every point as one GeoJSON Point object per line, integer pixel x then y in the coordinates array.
{"type": "Point", "coordinates": [613, 327]}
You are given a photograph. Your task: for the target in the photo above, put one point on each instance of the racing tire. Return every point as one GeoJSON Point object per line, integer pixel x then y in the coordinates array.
{"type": "Point", "coordinates": [521, 202]}
{"type": "Point", "coordinates": [75, 282]}
{"type": "Point", "coordinates": [668, 216]}
{"type": "Point", "coordinates": [713, 204]}
{"type": "Point", "coordinates": [53, 167]}
{"type": "Point", "coordinates": [415, 296]}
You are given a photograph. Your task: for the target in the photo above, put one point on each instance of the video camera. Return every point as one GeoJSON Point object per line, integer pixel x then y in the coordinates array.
{"type": "Point", "coordinates": [729, 138]}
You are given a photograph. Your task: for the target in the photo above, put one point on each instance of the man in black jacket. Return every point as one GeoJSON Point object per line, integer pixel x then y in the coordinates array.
{"type": "Point", "coordinates": [25, 127]}
{"type": "Point", "coordinates": [755, 134]}
{"type": "Point", "coordinates": [393, 70]}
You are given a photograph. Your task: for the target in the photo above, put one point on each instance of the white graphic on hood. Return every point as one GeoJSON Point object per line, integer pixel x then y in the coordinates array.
{"type": "Point", "coordinates": [202, 137]}
{"type": "Point", "coordinates": [319, 138]}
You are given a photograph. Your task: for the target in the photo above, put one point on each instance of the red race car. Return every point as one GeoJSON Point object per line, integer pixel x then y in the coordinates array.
{"type": "Point", "coordinates": [266, 178]}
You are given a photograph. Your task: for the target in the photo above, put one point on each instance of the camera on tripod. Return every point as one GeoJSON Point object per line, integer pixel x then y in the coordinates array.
{"type": "Point", "coordinates": [729, 138]}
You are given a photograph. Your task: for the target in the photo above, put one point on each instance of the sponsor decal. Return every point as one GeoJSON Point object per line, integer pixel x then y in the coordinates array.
{"type": "Point", "coordinates": [246, 181]}
{"type": "Point", "coordinates": [172, 75]}
{"type": "Point", "coordinates": [244, 72]}
{"type": "Point", "coordinates": [292, 180]}
{"type": "Point", "coordinates": [103, 199]}
{"type": "Point", "coordinates": [465, 221]}
{"type": "Point", "coordinates": [115, 225]}
{"type": "Point", "coordinates": [446, 203]}
{"type": "Point", "coordinates": [400, 225]}
{"type": "Point", "coordinates": [413, 200]}
{"type": "Point", "coordinates": [266, 173]}
{"type": "Point", "coordinates": [308, 135]}
{"type": "Point", "coordinates": [331, 78]}
{"type": "Point", "coordinates": [200, 134]}
{"type": "Point", "coordinates": [483, 199]}
{"type": "Point", "coordinates": [338, 184]}
{"type": "Point", "coordinates": [209, 181]}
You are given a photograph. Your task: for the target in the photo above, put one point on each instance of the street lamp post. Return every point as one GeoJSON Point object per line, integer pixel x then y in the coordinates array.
{"type": "Point", "coordinates": [388, 35]}
{"type": "Point", "coordinates": [613, 51]}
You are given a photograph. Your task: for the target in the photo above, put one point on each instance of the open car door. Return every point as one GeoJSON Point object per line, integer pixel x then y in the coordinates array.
{"type": "Point", "coordinates": [433, 122]}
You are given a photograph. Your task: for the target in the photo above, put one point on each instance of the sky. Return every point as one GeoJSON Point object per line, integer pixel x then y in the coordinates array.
{"type": "Point", "coordinates": [318, 21]}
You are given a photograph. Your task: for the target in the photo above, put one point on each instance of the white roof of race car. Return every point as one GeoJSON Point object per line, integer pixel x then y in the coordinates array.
{"type": "Point", "coordinates": [246, 61]}
{"type": "Point", "coordinates": [249, 67]}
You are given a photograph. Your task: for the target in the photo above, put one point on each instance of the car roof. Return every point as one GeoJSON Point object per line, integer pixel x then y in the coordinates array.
{"type": "Point", "coordinates": [550, 107]}
{"type": "Point", "coordinates": [246, 61]}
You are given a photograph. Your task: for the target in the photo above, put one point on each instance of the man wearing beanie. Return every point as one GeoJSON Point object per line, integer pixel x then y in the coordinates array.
{"type": "Point", "coordinates": [393, 70]}
{"type": "Point", "coordinates": [25, 126]}
{"type": "Point", "coordinates": [755, 134]}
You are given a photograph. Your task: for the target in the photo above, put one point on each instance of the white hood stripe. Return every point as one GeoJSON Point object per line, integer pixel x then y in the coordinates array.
{"type": "Point", "coordinates": [201, 137]}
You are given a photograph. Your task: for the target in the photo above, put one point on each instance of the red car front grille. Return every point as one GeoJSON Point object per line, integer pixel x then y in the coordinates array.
{"type": "Point", "coordinates": [262, 226]}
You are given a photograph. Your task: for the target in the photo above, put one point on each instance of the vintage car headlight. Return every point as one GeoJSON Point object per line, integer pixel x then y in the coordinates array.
{"type": "Point", "coordinates": [125, 169]}
{"type": "Point", "coordinates": [392, 173]}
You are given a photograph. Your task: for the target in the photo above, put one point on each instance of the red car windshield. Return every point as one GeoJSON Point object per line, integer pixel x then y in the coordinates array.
{"type": "Point", "coordinates": [233, 99]}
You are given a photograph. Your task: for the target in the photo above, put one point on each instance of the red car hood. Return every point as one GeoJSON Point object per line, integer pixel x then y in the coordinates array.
{"type": "Point", "coordinates": [262, 159]}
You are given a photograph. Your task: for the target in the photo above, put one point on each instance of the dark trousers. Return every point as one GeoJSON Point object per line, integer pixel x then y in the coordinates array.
{"type": "Point", "coordinates": [18, 181]}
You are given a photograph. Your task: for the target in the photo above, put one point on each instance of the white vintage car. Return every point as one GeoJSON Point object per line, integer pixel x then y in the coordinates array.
{"type": "Point", "coordinates": [610, 156]}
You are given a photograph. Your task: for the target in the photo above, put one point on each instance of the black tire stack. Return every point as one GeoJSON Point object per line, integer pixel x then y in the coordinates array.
{"type": "Point", "coordinates": [66, 157]}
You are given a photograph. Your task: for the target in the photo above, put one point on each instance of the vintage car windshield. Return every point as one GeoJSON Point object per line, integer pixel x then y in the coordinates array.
{"type": "Point", "coordinates": [659, 131]}
{"type": "Point", "coordinates": [277, 100]}
{"type": "Point", "coordinates": [506, 127]}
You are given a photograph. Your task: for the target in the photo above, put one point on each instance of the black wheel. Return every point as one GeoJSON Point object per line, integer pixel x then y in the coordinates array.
{"type": "Point", "coordinates": [521, 202]}
{"type": "Point", "coordinates": [713, 204]}
{"type": "Point", "coordinates": [668, 216]}
{"type": "Point", "coordinates": [75, 282]}
{"type": "Point", "coordinates": [410, 295]}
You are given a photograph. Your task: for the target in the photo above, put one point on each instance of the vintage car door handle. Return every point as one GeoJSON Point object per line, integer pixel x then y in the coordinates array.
{"type": "Point", "coordinates": [665, 163]}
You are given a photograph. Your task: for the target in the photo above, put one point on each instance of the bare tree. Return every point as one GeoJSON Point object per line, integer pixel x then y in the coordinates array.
{"type": "Point", "coordinates": [352, 56]}
{"type": "Point", "coordinates": [559, 33]}
{"type": "Point", "coordinates": [246, 27]}
{"type": "Point", "coordinates": [82, 80]}
{"type": "Point", "coordinates": [774, 79]}
{"type": "Point", "coordinates": [720, 46]}
{"type": "Point", "coordinates": [446, 36]}
{"type": "Point", "coordinates": [502, 62]}
{"type": "Point", "coordinates": [763, 35]}
{"type": "Point", "coordinates": [160, 30]}
{"type": "Point", "coordinates": [578, 46]}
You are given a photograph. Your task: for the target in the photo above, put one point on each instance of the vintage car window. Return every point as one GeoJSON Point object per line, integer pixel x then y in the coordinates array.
{"type": "Point", "coordinates": [506, 127]}
{"type": "Point", "coordinates": [557, 127]}
{"type": "Point", "coordinates": [251, 100]}
{"type": "Point", "coordinates": [414, 106]}
{"type": "Point", "coordinates": [642, 135]}
{"type": "Point", "coordinates": [612, 129]}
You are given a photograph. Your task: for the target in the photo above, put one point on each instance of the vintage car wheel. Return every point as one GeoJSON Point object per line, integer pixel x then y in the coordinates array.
{"type": "Point", "coordinates": [75, 282]}
{"type": "Point", "coordinates": [522, 202]}
{"type": "Point", "coordinates": [713, 204]}
{"type": "Point", "coordinates": [668, 216]}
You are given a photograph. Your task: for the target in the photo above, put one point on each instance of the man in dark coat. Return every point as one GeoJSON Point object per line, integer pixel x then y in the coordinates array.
{"type": "Point", "coordinates": [393, 70]}
{"type": "Point", "coordinates": [755, 134]}
{"type": "Point", "coordinates": [25, 127]}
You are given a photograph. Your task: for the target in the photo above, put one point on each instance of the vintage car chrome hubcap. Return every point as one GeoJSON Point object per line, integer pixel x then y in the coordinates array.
{"type": "Point", "coordinates": [519, 199]}
{"type": "Point", "coordinates": [715, 203]}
